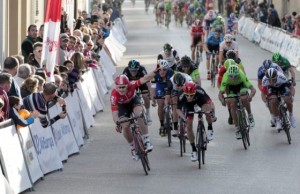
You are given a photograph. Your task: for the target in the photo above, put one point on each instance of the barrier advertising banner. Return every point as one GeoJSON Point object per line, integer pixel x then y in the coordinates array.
{"type": "Point", "coordinates": [30, 155]}
{"type": "Point", "coordinates": [45, 147]}
{"type": "Point", "coordinates": [84, 94]}
{"type": "Point", "coordinates": [13, 160]}
{"type": "Point", "coordinates": [63, 130]}
{"type": "Point", "coordinates": [4, 185]}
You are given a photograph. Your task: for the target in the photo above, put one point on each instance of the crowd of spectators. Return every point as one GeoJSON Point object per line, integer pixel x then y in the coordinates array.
{"type": "Point", "coordinates": [263, 12]}
{"type": "Point", "coordinates": [23, 78]}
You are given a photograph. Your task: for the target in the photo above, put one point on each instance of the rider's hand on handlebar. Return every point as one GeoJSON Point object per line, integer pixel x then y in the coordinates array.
{"type": "Point", "coordinates": [118, 128]}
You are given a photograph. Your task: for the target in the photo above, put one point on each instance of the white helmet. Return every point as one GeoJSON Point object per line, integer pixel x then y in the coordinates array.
{"type": "Point", "coordinates": [228, 38]}
{"type": "Point", "coordinates": [163, 64]}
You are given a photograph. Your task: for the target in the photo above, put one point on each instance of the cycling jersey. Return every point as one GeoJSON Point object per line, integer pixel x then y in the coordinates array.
{"type": "Point", "coordinates": [223, 70]}
{"type": "Point", "coordinates": [186, 77]}
{"type": "Point", "coordinates": [141, 73]}
{"type": "Point", "coordinates": [168, 6]}
{"type": "Point", "coordinates": [261, 70]}
{"type": "Point", "coordinates": [230, 24]}
{"type": "Point", "coordinates": [281, 79]}
{"type": "Point", "coordinates": [212, 40]}
{"type": "Point", "coordinates": [241, 80]}
{"type": "Point", "coordinates": [196, 31]}
{"type": "Point", "coordinates": [216, 24]}
{"type": "Point", "coordinates": [162, 83]}
{"type": "Point", "coordinates": [194, 72]}
{"type": "Point", "coordinates": [233, 46]}
{"type": "Point", "coordinates": [171, 59]}
{"type": "Point", "coordinates": [284, 64]}
{"type": "Point", "coordinates": [116, 98]}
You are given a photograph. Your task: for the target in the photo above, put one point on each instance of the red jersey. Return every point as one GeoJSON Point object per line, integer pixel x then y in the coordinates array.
{"type": "Point", "coordinates": [197, 31]}
{"type": "Point", "coordinates": [116, 98]}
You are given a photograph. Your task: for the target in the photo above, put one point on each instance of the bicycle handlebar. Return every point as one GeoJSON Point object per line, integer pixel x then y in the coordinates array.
{"type": "Point", "coordinates": [130, 119]}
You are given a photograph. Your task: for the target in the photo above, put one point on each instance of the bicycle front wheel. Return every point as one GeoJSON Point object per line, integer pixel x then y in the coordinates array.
{"type": "Point", "coordinates": [243, 128]}
{"type": "Point", "coordinates": [285, 123]}
{"type": "Point", "coordinates": [139, 147]}
{"type": "Point", "coordinates": [213, 72]}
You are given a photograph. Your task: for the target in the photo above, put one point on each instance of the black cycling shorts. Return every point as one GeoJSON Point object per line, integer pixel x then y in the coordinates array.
{"type": "Point", "coordinates": [143, 87]}
{"type": "Point", "coordinates": [213, 48]}
{"type": "Point", "coordinates": [282, 90]}
{"type": "Point", "coordinates": [196, 40]}
{"type": "Point", "coordinates": [125, 110]}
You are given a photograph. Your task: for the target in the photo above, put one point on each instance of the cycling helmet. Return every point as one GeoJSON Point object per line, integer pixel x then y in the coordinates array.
{"type": "Point", "coordinates": [133, 65]}
{"type": "Point", "coordinates": [233, 70]}
{"type": "Point", "coordinates": [179, 79]}
{"type": "Point", "coordinates": [228, 38]}
{"type": "Point", "coordinates": [167, 47]}
{"type": "Point", "coordinates": [230, 54]}
{"type": "Point", "coordinates": [232, 15]}
{"type": "Point", "coordinates": [276, 57]}
{"type": "Point", "coordinates": [267, 64]}
{"type": "Point", "coordinates": [210, 13]}
{"type": "Point", "coordinates": [229, 62]}
{"type": "Point", "coordinates": [197, 22]}
{"type": "Point", "coordinates": [219, 17]}
{"type": "Point", "coordinates": [163, 64]}
{"type": "Point", "coordinates": [121, 80]}
{"type": "Point", "coordinates": [218, 29]}
{"type": "Point", "coordinates": [186, 61]}
{"type": "Point", "coordinates": [189, 88]}
{"type": "Point", "coordinates": [271, 73]}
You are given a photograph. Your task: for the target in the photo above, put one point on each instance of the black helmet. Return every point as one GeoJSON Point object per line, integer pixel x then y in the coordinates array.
{"type": "Point", "coordinates": [133, 65]}
{"type": "Point", "coordinates": [186, 61]}
{"type": "Point", "coordinates": [179, 79]}
{"type": "Point", "coordinates": [167, 47]}
{"type": "Point", "coordinates": [230, 54]}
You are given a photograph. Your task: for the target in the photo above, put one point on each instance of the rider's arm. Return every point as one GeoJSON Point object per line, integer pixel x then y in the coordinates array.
{"type": "Point", "coordinates": [147, 77]}
{"type": "Point", "coordinates": [114, 105]}
{"type": "Point", "coordinates": [197, 80]}
{"type": "Point", "coordinates": [291, 70]}
{"type": "Point", "coordinates": [115, 115]}
{"type": "Point", "coordinates": [168, 89]}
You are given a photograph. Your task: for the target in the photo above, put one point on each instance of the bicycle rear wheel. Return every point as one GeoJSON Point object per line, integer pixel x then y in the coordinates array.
{"type": "Point", "coordinates": [213, 72]}
{"type": "Point", "coordinates": [168, 126]}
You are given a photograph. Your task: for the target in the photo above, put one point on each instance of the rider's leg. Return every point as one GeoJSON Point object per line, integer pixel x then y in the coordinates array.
{"type": "Point", "coordinates": [193, 52]}
{"type": "Point", "coordinates": [160, 111]}
{"type": "Point", "coordinates": [125, 129]}
{"type": "Point", "coordinates": [208, 109]}
{"type": "Point", "coordinates": [174, 100]}
{"type": "Point", "coordinates": [190, 132]}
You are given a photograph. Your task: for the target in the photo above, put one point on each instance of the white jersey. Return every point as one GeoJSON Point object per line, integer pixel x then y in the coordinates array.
{"type": "Point", "coordinates": [186, 76]}
{"type": "Point", "coordinates": [233, 46]}
{"type": "Point", "coordinates": [281, 79]}
{"type": "Point", "coordinates": [172, 58]}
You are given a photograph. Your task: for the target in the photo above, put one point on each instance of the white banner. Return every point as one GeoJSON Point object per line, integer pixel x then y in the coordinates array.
{"type": "Point", "coordinates": [30, 155]}
{"type": "Point", "coordinates": [13, 160]}
{"type": "Point", "coordinates": [82, 86]}
{"type": "Point", "coordinates": [4, 185]}
{"type": "Point", "coordinates": [100, 84]}
{"type": "Point", "coordinates": [75, 118]}
{"type": "Point", "coordinates": [108, 68]}
{"type": "Point", "coordinates": [63, 130]}
{"type": "Point", "coordinates": [87, 114]}
{"type": "Point", "coordinates": [70, 12]}
{"type": "Point", "coordinates": [45, 147]}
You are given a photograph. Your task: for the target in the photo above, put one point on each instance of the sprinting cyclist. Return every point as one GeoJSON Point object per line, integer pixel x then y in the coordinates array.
{"type": "Point", "coordinates": [285, 66]}
{"type": "Point", "coordinates": [124, 101]}
{"type": "Point", "coordinates": [170, 55]}
{"type": "Point", "coordinates": [209, 18]}
{"type": "Point", "coordinates": [235, 82]}
{"type": "Point", "coordinates": [261, 72]}
{"type": "Point", "coordinates": [212, 45]}
{"type": "Point", "coordinates": [197, 37]}
{"type": "Point", "coordinates": [226, 45]}
{"type": "Point", "coordinates": [190, 96]}
{"type": "Point", "coordinates": [187, 66]}
{"type": "Point", "coordinates": [161, 83]}
{"type": "Point", "coordinates": [177, 80]}
{"type": "Point", "coordinates": [275, 83]}
{"type": "Point", "coordinates": [218, 24]}
{"type": "Point", "coordinates": [231, 24]}
{"type": "Point", "coordinates": [135, 71]}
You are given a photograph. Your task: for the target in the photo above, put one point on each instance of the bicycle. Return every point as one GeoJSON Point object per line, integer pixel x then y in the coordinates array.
{"type": "Point", "coordinates": [198, 54]}
{"type": "Point", "coordinates": [147, 5]}
{"type": "Point", "coordinates": [201, 138]}
{"type": "Point", "coordinates": [213, 68]}
{"type": "Point", "coordinates": [168, 123]}
{"type": "Point", "coordinates": [243, 121]}
{"type": "Point", "coordinates": [168, 19]}
{"type": "Point", "coordinates": [285, 122]}
{"type": "Point", "coordinates": [138, 142]}
{"type": "Point", "coordinates": [181, 136]}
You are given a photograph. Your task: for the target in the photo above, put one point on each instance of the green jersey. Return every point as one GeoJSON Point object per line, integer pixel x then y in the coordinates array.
{"type": "Point", "coordinates": [194, 74]}
{"type": "Point", "coordinates": [240, 79]}
{"type": "Point", "coordinates": [285, 65]}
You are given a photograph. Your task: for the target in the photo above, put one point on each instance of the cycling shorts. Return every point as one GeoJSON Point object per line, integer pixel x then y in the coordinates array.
{"type": "Point", "coordinates": [190, 108]}
{"type": "Point", "coordinates": [236, 89]}
{"type": "Point", "coordinates": [125, 110]}
{"type": "Point", "coordinates": [212, 48]}
{"type": "Point", "coordinates": [282, 90]}
{"type": "Point", "coordinates": [196, 40]}
{"type": "Point", "coordinates": [143, 87]}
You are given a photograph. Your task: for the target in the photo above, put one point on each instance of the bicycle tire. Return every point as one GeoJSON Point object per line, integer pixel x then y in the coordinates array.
{"type": "Point", "coordinates": [181, 138]}
{"type": "Point", "coordinates": [242, 128]}
{"type": "Point", "coordinates": [212, 72]}
{"type": "Point", "coordinates": [285, 123]}
{"type": "Point", "coordinates": [200, 142]}
{"type": "Point", "coordinates": [197, 55]}
{"type": "Point", "coordinates": [168, 127]}
{"type": "Point", "coordinates": [204, 143]}
{"type": "Point", "coordinates": [140, 150]}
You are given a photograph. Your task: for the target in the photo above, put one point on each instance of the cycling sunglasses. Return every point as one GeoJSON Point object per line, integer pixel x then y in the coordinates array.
{"type": "Point", "coordinates": [233, 76]}
{"type": "Point", "coordinates": [189, 95]}
{"type": "Point", "coordinates": [121, 87]}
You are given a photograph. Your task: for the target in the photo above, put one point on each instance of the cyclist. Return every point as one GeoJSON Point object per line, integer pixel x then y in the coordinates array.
{"type": "Point", "coordinates": [235, 82]}
{"type": "Point", "coordinates": [275, 83]}
{"type": "Point", "coordinates": [285, 66]}
{"type": "Point", "coordinates": [135, 71]}
{"type": "Point", "coordinates": [197, 38]}
{"type": "Point", "coordinates": [219, 23]}
{"type": "Point", "coordinates": [168, 9]}
{"type": "Point", "coordinates": [212, 45]}
{"type": "Point", "coordinates": [187, 66]}
{"type": "Point", "coordinates": [161, 83]}
{"type": "Point", "coordinates": [190, 96]}
{"type": "Point", "coordinates": [209, 18]}
{"type": "Point", "coordinates": [177, 80]}
{"type": "Point", "coordinates": [260, 74]}
{"type": "Point", "coordinates": [227, 44]}
{"type": "Point", "coordinates": [231, 24]}
{"type": "Point", "coordinates": [170, 55]}
{"type": "Point", "coordinates": [124, 101]}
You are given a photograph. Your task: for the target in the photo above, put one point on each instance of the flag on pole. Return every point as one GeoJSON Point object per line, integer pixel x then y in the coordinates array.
{"type": "Point", "coordinates": [70, 13]}
{"type": "Point", "coordinates": [51, 36]}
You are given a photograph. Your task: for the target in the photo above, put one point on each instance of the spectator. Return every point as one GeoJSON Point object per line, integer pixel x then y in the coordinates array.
{"type": "Point", "coordinates": [35, 57]}
{"type": "Point", "coordinates": [15, 107]}
{"type": "Point", "coordinates": [41, 34]}
{"type": "Point", "coordinates": [297, 26]}
{"type": "Point", "coordinates": [41, 72]}
{"type": "Point", "coordinates": [29, 86]}
{"type": "Point", "coordinates": [5, 84]}
{"type": "Point", "coordinates": [39, 101]}
{"type": "Point", "coordinates": [11, 65]}
{"type": "Point", "coordinates": [288, 24]}
{"type": "Point", "coordinates": [273, 18]}
{"type": "Point", "coordinates": [20, 58]}
{"type": "Point", "coordinates": [29, 41]}
{"type": "Point", "coordinates": [64, 40]}
{"type": "Point", "coordinates": [71, 46]}
{"type": "Point", "coordinates": [41, 82]}
{"type": "Point", "coordinates": [99, 43]}
{"type": "Point", "coordinates": [24, 72]}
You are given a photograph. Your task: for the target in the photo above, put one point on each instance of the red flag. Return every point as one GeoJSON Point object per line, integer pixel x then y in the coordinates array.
{"type": "Point", "coordinates": [51, 36]}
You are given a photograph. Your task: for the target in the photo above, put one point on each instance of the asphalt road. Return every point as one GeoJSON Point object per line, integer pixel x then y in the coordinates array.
{"type": "Point", "coordinates": [104, 164]}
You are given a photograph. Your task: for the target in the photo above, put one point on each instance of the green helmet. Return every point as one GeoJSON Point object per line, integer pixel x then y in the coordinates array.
{"type": "Point", "coordinates": [167, 47]}
{"type": "Point", "coordinates": [229, 62]}
{"type": "Point", "coordinates": [133, 65]}
{"type": "Point", "coordinates": [233, 70]}
{"type": "Point", "coordinates": [276, 57]}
